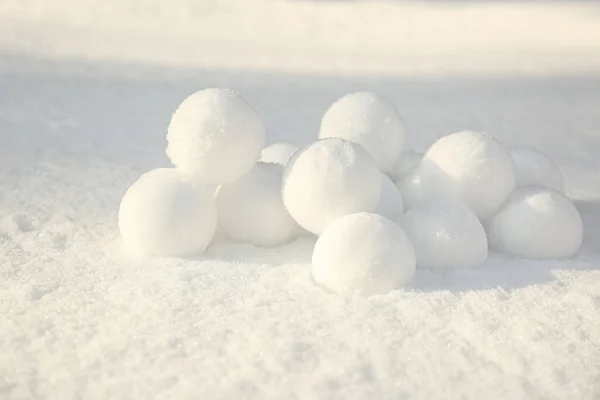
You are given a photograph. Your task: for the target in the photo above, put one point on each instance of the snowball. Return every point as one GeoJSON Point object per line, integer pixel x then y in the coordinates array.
{"type": "Point", "coordinates": [536, 168]}
{"type": "Point", "coordinates": [215, 135]}
{"type": "Point", "coordinates": [445, 235]}
{"type": "Point", "coordinates": [470, 167]}
{"type": "Point", "coordinates": [369, 120]}
{"type": "Point", "coordinates": [363, 254]}
{"type": "Point", "coordinates": [327, 180]}
{"type": "Point", "coordinates": [166, 214]}
{"type": "Point", "coordinates": [251, 208]}
{"type": "Point", "coordinates": [405, 164]}
{"type": "Point", "coordinates": [278, 153]}
{"type": "Point", "coordinates": [390, 205]}
{"type": "Point", "coordinates": [536, 223]}
{"type": "Point", "coordinates": [410, 188]}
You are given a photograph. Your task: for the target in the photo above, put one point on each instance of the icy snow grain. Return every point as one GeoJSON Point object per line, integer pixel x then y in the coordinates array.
{"type": "Point", "coordinates": [391, 204]}
{"type": "Point", "coordinates": [215, 135]}
{"type": "Point", "coordinates": [536, 223]}
{"type": "Point", "coordinates": [445, 235]}
{"type": "Point", "coordinates": [470, 167]}
{"type": "Point", "coordinates": [165, 214]}
{"type": "Point", "coordinates": [278, 153]}
{"type": "Point", "coordinates": [369, 120]}
{"type": "Point", "coordinates": [363, 254]}
{"type": "Point", "coordinates": [535, 168]}
{"type": "Point", "coordinates": [327, 180]}
{"type": "Point", "coordinates": [250, 209]}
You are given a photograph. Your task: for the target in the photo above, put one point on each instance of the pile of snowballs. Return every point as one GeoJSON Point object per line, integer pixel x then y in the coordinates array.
{"type": "Point", "coordinates": [465, 194]}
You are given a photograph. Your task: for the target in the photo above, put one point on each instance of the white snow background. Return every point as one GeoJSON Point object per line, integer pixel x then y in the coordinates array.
{"type": "Point", "coordinates": [87, 88]}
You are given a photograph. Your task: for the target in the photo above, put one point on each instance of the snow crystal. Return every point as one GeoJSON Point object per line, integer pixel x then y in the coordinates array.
{"type": "Point", "coordinates": [536, 223]}
{"type": "Point", "coordinates": [166, 214]}
{"type": "Point", "coordinates": [536, 168]}
{"type": "Point", "coordinates": [363, 254]}
{"type": "Point", "coordinates": [278, 153]}
{"type": "Point", "coordinates": [327, 180]}
{"type": "Point", "coordinates": [390, 205]}
{"type": "Point", "coordinates": [216, 135]}
{"type": "Point", "coordinates": [369, 120]}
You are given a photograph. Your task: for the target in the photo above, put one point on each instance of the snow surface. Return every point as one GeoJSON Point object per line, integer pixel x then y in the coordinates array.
{"type": "Point", "coordinates": [86, 92]}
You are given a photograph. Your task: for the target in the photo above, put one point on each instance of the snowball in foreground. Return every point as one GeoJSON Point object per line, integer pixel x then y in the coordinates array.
{"type": "Point", "coordinates": [405, 164]}
{"type": "Point", "coordinates": [363, 254]}
{"type": "Point", "coordinates": [536, 168]}
{"type": "Point", "coordinates": [166, 214]}
{"type": "Point", "coordinates": [410, 189]}
{"type": "Point", "coordinates": [390, 205]}
{"type": "Point", "coordinates": [445, 235]}
{"type": "Point", "coordinates": [536, 223]}
{"type": "Point", "coordinates": [251, 209]}
{"type": "Point", "coordinates": [278, 153]}
{"type": "Point", "coordinates": [470, 167]}
{"type": "Point", "coordinates": [369, 120]}
{"type": "Point", "coordinates": [215, 135]}
{"type": "Point", "coordinates": [327, 180]}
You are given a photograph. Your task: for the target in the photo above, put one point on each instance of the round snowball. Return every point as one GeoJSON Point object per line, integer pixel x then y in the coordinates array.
{"type": "Point", "coordinates": [215, 135]}
{"type": "Point", "coordinates": [251, 208]}
{"type": "Point", "coordinates": [327, 180]}
{"type": "Point", "coordinates": [369, 120]}
{"type": "Point", "coordinates": [536, 168]}
{"type": "Point", "coordinates": [363, 254]}
{"type": "Point", "coordinates": [165, 214]}
{"type": "Point", "coordinates": [536, 223]}
{"type": "Point", "coordinates": [390, 205]}
{"type": "Point", "coordinates": [470, 167]}
{"type": "Point", "coordinates": [446, 235]}
{"type": "Point", "coordinates": [410, 189]}
{"type": "Point", "coordinates": [406, 164]}
{"type": "Point", "coordinates": [278, 153]}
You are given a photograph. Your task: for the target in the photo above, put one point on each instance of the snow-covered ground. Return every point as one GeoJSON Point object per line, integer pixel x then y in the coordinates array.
{"type": "Point", "coordinates": [86, 92]}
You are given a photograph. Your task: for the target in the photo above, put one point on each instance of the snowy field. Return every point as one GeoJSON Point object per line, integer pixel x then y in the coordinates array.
{"type": "Point", "coordinates": [86, 92]}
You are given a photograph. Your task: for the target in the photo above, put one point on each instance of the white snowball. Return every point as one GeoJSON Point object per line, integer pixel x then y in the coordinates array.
{"type": "Point", "coordinates": [405, 164]}
{"type": "Point", "coordinates": [470, 167]}
{"type": "Point", "coordinates": [369, 120]}
{"type": "Point", "coordinates": [166, 214]}
{"type": "Point", "coordinates": [278, 153]}
{"type": "Point", "coordinates": [536, 223]}
{"type": "Point", "coordinates": [536, 168]}
{"type": "Point", "coordinates": [446, 235]}
{"type": "Point", "coordinates": [390, 205]}
{"type": "Point", "coordinates": [410, 188]}
{"type": "Point", "coordinates": [216, 135]}
{"type": "Point", "coordinates": [327, 180]}
{"type": "Point", "coordinates": [363, 254]}
{"type": "Point", "coordinates": [251, 208]}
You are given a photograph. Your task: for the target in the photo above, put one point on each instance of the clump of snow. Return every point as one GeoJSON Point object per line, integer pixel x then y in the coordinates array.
{"type": "Point", "coordinates": [410, 188]}
{"type": "Point", "coordinates": [470, 167]}
{"type": "Point", "coordinates": [536, 223]}
{"type": "Point", "coordinates": [251, 208]}
{"type": "Point", "coordinates": [215, 135]}
{"type": "Point", "coordinates": [405, 164]}
{"type": "Point", "coordinates": [165, 214]}
{"type": "Point", "coordinates": [445, 235]}
{"type": "Point", "coordinates": [391, 204]}
{"type": "Point", "coordinates": [278, 153]}
{"type": "Point", "coordinates": [369, 120]}
{"type": "Point", "coordinates": [536, 168]}
{"type": "Point", "coordinates": [327, 180]}
{"type": "Point", "coordinates": [363, 254]}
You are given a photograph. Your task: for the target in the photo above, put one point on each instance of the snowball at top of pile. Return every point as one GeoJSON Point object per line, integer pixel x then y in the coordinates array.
{"type": "Point", "coordinates": [278, 153]}
{"type": "Point", "coordinates": [215, 135]}
{"type": "Point", "coordinates": [536, 223]}
{"type": "Point", "coordinates": [363, 254]}
{"type": "Point", "coordinates": [470, 167]}
{"type": "Point", "coordinates": [165, 214]}
{"type": "Point", "coordinates": [536, 168]}
{"type": "Point", "coordinates": [369, 120]}
{"type": "Point", "coordinates": [327, 180]}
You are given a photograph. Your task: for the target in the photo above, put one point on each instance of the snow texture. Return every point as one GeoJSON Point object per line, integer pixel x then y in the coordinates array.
{"type": "Point", "coordinates": [278, 153]}
{"type": "Point", "coordinates": [535, 168]}
{"type": "Point", "coordinates": [446, 235]}
{"type": "Point", "coordinates": [537, 223]}
{"type": "Point", "coordinates": [367, 119]}
{"type": "Point", "coordinates": [391, 204]}
{"type": "Point", "coordinates": [363, 254]}
{"type": "Point", "coordinates": [327, 180]}
{"type": "Point", "coordinates": [165, 214]}
{"type": "Point", "coordinates": [251, 208]}
{"type": "Point", "coordinates": [215, 135]}
{"type": "Point", "coordinates": [470, 167]}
